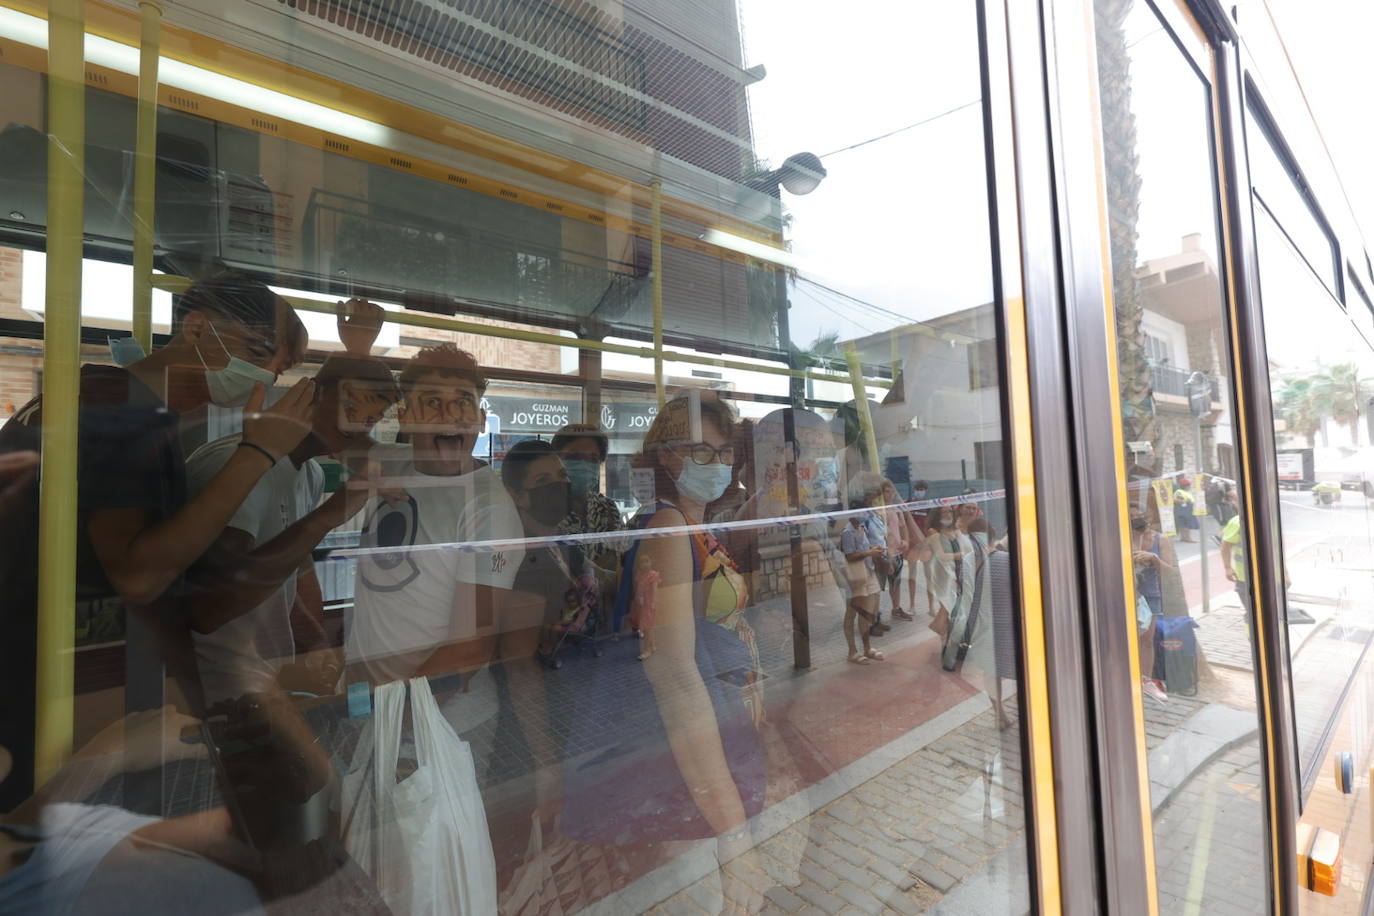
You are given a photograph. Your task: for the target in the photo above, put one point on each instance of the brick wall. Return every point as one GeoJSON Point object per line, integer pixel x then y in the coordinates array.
{"type": "Point", "coordinates": [492, 352]}
{"type": "Point", "coordinates": [11, 282]}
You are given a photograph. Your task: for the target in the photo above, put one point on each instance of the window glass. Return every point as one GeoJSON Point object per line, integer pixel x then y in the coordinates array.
{"type": "Point", "coordinates": [1276, 186]}
{"type": "Point", "coordinates": [1191, 605]}
{"type": "Point", "coordinates": [1321, 375]}
{"type": "Point", "coordinates": [570, 472]}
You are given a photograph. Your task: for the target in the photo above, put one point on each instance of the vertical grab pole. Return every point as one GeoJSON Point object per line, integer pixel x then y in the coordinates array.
{"type": "Point", "coordinates": [856, 378]}
{"type": "Point", "coordinates": [656, 279]}
{"type": "Point", "coordinates": [145, 170]}
{"type": "Point", "coordinates": [61, 385]}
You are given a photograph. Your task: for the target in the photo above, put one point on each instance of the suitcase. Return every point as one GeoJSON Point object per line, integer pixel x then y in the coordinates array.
{"type": "Point", "coordinates": [1176, 654]}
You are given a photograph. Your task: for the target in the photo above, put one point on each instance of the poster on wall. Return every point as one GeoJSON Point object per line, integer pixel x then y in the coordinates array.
{"type": "Point", "coordinates": [1164, 502]}
{"type": "Point", "coordinates": [816, 486]}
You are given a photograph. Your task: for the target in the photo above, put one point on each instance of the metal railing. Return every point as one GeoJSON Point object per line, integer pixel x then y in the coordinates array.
{"type": "Point", "coordinates": [1174, 381]}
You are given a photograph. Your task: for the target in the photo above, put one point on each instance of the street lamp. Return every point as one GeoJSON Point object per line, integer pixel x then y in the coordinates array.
{"type": "Point", "coordinates": [800, 173]}
{"type": "Point", "coordinates": [1199, 388]}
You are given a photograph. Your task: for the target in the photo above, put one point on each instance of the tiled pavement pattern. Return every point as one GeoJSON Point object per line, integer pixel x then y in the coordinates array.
{"type": "Point", "coordinates": [899, 842]}
{"type": "Point", "coordinates": [906, 838]}
{"type": "Point", "coordinates": [1209, 847]}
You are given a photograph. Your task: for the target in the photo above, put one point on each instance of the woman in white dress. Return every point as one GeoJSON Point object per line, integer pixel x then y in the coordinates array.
{"type": "Point", "coordinates": [945, 552]}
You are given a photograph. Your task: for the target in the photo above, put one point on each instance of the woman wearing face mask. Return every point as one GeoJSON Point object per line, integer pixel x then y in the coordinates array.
{"type": "Point", "coordinates": [695, 769]}
{"type": "Point", "coordinates": [538, 484]}
{"type": "Point", "coordinates": [1151, 553]}
{"type": "Point", "coordinates": [583, 449]}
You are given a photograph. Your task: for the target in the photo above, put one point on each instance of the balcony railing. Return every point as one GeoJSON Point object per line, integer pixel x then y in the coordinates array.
{"type": "Point", "coordinates": [1174, 381]}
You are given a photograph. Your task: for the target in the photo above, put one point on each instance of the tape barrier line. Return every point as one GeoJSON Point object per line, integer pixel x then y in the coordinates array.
{"type": "Point", "coordinates": [570, 540]}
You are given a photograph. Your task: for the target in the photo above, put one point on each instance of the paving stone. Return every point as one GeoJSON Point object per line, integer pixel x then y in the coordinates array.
{"type": "Point", "coordinates": [861, 898]}
{"type": "Point", "coordinates": [852, 854]}
{"type": "Point", "coordinates": [817, 875]}
{"type": "Point", "coordinates": [940, 880]}
{"type": "Point", "coordinates": [823, 899]}
{"type": "Point", "coordinates": [784, 899]}
{"type": "Point", "coordinates": [900, 877]}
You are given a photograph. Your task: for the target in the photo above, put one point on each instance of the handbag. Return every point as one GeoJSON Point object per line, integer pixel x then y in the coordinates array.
{"type": "Point", "coordinates": [939, 624]}
{"type": "Point", "coordinates": [423, 840]}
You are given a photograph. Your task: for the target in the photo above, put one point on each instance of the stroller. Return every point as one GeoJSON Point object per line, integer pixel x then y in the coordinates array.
{"type": "Point", "coordinates": [577, 624]}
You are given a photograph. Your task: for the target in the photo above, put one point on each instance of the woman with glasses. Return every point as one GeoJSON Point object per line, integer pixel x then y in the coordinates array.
{"type": "Point", "coordinates": [686, 762]}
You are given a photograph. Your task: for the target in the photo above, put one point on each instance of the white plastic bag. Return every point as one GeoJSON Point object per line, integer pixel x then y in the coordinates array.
{"type": "Point", "coordinates": [424, 840]}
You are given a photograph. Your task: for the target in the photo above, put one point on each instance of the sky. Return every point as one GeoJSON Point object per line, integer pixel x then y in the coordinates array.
{"type": "Point", "coordinates": [902, 222]}
{"type": "Point", "coordinates": [1329, 44]}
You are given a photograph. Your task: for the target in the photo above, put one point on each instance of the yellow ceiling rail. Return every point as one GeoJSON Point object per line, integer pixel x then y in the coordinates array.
{"type": "Point", "coordinates": [145, 171]}
{"type": "Point", "coordinates": [177, 284]}
{"type": "Point", "coordinates": [53, 685]}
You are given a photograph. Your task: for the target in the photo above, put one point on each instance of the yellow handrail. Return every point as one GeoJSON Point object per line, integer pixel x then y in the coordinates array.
{"type": "Point", "coordinates": [656, 290]}
{"type": "Point", "coordinates": [61, 388]}
{"type": "Point", "coordinates": [145, 171]}
{"type": "Point", "coordinates": [856, 379]}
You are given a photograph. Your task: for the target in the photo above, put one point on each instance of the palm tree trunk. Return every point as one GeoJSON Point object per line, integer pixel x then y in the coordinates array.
{"type": "Point", "coordinates": [1123, 204]}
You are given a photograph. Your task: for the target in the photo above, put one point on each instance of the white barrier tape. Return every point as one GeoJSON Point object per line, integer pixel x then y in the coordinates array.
{"type": "Point", "coordinates": [569, 540]}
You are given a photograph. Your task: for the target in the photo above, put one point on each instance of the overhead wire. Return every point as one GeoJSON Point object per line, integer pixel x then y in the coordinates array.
{"type": "Point", "coordinates": [893, 133]}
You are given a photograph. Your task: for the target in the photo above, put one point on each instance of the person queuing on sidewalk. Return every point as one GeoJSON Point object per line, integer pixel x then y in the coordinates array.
{"type": "Point", "coordinates": [138, 530]}
{"type": "Point", "coordinates": [1005, 624]}
{"type": "Point", "coordinates": [945, 560]}
{"type": "Point", "coordinates": [974, 644]}
{"type": "Point", "coordinates": [244, 590]}
{"type": "Point", "coordinates": [875, 525]}
{"type": "Point", "coordinates": [901, 535]}
{"type": "Point", "coordinates": [1152, 555]}
{"type": "Point", "coordinates": [427, 607]}
{"type": "Point", "coordinates": [693, 767]}
{"type": "Point", "coordinates": [918, 555]}
{"type": "Point", "coordinates": [1233, 563]}
{"type": "Point", "coordinates": [550, 585]}
{"type": "Point", "coordinates": [1184, 520]}
{"type": "Point", "coordinates": [860, 554]}
{"type": "Point", "coordinates": [583, 449]}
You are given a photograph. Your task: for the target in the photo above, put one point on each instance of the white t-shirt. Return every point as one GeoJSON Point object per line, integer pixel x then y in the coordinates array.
{"type": "Point", "coordinates": [415, 599]}
{"type": "Point", "coordinates": [86, 863]}
{"type": "Point", "coordinates": [245, 654]}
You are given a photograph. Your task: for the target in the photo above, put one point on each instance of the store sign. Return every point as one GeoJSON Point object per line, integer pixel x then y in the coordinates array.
{"type": "Point", "coordinates": [533, 415]}
{"type": "Point", "coordinates": [548, 413]}
{"type": "Point", "coordinates": [621, 418]}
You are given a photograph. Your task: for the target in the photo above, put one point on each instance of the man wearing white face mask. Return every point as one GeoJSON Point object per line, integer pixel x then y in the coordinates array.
{"type": "Point", "coordinates": [138, 531]}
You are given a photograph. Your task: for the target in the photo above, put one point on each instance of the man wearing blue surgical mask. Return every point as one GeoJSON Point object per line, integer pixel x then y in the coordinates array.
{"type": "Point", "coordinates": [137, 530]}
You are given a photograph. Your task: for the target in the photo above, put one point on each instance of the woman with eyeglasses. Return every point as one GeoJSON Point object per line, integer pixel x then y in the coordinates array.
{"type": "Point", "coordinates": [690, 765]}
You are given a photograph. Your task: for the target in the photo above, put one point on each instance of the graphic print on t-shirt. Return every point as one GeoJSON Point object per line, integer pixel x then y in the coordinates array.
{"type": "Point", "coordinates": [392, 525]}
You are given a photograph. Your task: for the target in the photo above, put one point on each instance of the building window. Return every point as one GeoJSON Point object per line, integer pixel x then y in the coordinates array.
{"type": "Point", "coordinates": [982, 365]}
{"type": "Point", "coordinates": [1159, 350]}
{"type": "Point", "coordinates": [1178, 457]}
{"type": "Point", "coordinates": [987, 459]}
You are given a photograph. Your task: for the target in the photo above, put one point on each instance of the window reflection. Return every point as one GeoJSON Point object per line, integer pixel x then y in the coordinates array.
{"type": "Point", "coordinates": [462, 601]}
{"type": "Point", "coordinates": [1321, 376]}
{"type": "Point", "coordinates": [1191, 603]}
